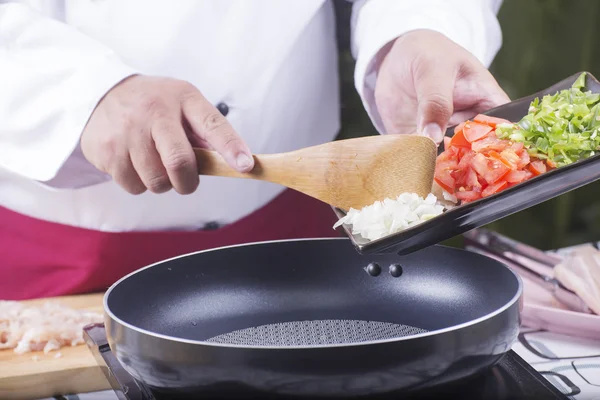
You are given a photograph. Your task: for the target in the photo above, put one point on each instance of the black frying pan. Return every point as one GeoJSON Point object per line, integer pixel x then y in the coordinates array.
{"type": "Point", "coordinates": [305, 317]}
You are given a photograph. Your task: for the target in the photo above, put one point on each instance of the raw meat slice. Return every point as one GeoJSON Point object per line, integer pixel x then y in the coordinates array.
{"type": "Point", "coordinates": [47, 327]}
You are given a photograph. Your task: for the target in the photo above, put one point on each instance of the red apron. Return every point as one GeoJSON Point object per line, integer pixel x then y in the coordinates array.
{"type": "Point", "coordinates": [41, 259]}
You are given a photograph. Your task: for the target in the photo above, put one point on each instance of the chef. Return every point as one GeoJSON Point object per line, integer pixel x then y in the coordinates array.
{"type": "Point", "coordinates": [101, 102]}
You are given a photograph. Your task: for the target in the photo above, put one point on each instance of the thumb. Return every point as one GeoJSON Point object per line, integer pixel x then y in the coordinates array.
{"type": "Point", "coordinates": [209, 125]}
{"type": "Point", "coordinates": [434, 89]}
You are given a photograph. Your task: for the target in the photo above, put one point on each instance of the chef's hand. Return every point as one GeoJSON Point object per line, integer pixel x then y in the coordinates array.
{"type": "Point", "coordinates": [426, 82]}
{"type": "Point", "coordinates": [142, 132]}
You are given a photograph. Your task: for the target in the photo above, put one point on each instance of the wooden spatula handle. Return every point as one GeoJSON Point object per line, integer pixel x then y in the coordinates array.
{"type": "Point", "coordinates": [213, 164]}
{"type": "Point", "coordinates": [275, 168]}
{"type": "Point", "coordinates": [267, 167]}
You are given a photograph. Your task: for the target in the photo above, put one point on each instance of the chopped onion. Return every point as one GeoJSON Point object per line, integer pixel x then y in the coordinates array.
{"type": "Point", "coordinates": [389, 216]}
{"type": "Point", "coordinates": [450, 197]}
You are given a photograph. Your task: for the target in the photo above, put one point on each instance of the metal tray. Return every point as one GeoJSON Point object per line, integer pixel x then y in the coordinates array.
{"type": "Point", "coordinates": [484, 211]}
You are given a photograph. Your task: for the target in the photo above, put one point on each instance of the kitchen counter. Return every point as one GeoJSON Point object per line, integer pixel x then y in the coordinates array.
{"type": "Point", "coordinates": [38, 374]}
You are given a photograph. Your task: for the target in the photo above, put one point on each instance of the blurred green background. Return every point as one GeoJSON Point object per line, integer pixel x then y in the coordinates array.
{"type": "Point", "coordinates": [544, 41]}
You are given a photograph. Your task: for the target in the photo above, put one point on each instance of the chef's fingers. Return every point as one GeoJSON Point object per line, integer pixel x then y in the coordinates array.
{"type": "Point", "coordinates": [478, 92]}
{"type": "Point", "coordinates": [148, 164]}
{"type": "Point", "coordinates": [210, 125]}
{"type": "Point", "coordinates": [176, 154]}
{"type": "Point", "coordinates": [434, 86]}
{"type": "Point", "coordinates": [492, 95]}
{"type": "Point", "coordinates": [125, 175]}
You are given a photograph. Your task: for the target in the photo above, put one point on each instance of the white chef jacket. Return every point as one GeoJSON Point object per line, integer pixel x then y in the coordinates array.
{"type": "Point", "coordinates": [273, 62]}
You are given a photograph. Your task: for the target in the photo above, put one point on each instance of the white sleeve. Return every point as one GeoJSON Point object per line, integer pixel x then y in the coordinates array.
{"type": "Point", "coordinates": [51, 78]}
{"type": "Point", "coordinates": [470, 23]}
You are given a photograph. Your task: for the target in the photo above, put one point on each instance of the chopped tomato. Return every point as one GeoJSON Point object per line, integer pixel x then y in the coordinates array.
{"type": "Point", "coordinates": [496, 173]}
{"type": "Point", "coordinates": [493, 154]}
{"type": "Point", "coordinates": [456, 152]}
{"type": "Point", "coordinates": [446, 142]}
{"type": "Point", "coordinates": [551, 164]}
{"type": "Point", "coordinates": [445, 180]}
{"type": "Point", "coordinates": [489, 120]}
{"type": "Point", "coordinates": [449, 154]}
{"type": "Point", "coordinates": [463, 152]}
{"type": "Point", "coordinates": [511, 159]}
{"type": "Point", "coordinates": [537, 167]}
{"type": "Point", "coordinates": [529, 175]}
{"type": "Point", "coordinates": [479, 163]}
{"type": "Point", "coordinates": [476, 163]}
{"type": "Point", "coordinates": [465, 161]}
{"type": "Point", "coordinates": [473, 131]}
{"type": "Point", "coordinates": [471, 179]}
{"type": "Point", "coordinates": [459, 140]}
{"type": "Point", "coordinates": [465, 177]}
{"type": "Point", "coordinates": [524, 156]}
{"type": "Point", "coordinates": [495, 188]}
{"type": "Point", "coordinates": [516, 176]}
{"type": "Point", "coordinates": [517, 147]}
{"type": "Point", "coordinates": [489, 169]}
{"type": "Point", "coordinates": [460, 178]}
{"type": "Point", "coordinates": [446, 164]}
{"type": "Point", "coordinates": [490, 142]}
{"type": "Point", "coordinates": [467, 195]}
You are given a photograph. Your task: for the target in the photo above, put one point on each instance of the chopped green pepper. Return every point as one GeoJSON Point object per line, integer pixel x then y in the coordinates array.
{"type": "Point", "coordinates": [562, 127]}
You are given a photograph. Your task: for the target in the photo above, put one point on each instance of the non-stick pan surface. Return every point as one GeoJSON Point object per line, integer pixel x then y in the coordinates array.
{"type": "Point", "coordinates": [305, 317]}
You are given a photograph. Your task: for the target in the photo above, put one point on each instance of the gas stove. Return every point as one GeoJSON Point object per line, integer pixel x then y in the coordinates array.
{"type": "Point", "coordinates": [512, 378]}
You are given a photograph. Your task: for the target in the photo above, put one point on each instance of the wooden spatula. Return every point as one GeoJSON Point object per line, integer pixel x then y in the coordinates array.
{"type": "Point", "coordinates": [350, 173]}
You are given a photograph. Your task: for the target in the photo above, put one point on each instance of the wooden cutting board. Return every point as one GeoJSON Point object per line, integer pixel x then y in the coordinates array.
{"type": "Point", "coordinates": [22, 377]}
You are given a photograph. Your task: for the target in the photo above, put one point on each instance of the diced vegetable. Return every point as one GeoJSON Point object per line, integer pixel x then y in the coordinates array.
{"type": "Point", "coordinates": [477, 164]}
{"type": "Point", "coordinates": [524, 160]}
{"type": "Point", "coordinates": [495, 188]}
{"type": "Point", "coordinates": [467, 196]}
{"type": "Point", "coordinates": [511, 158]}
{"type": "Point", "coordinates": [516, 176]}
{"type": "Point", "coordinates": [490, 154]}
{"type": "Point", "coordinates": [472, 180]}
{"type": "Point", "coordinates": [445, 180]}
{"type": "Point", "coordinates": [490, 142]}
{"type": "Point", "coordinates": [459, 140]}
{"type": "Point", "coordinates": [473, 131]}
{"type": "Point", "coordinates": [490, 169]}
{"type": "Point", "coordinates": [447, 142]}
{"type": "Point", "coordinates": [465, 161]}
{"type": "Point", "coordinates": [490, 121]}
{"type": "Point", "coordinates": [537, 167]}
{"type": "Point", "coordinates": [517, 147]}
{"type": "Point", "coordinates": [500, 157]}
{"type": "Point", "coordinates": [392, 215]}
{"type": "Point", "coordinates": [562, 128]}
{"type": "Point", "coordinates": [449, 164]}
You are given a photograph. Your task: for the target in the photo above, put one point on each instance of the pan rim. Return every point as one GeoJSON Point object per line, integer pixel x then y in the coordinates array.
{"type": "Point", "coordinates": [113, 317]}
